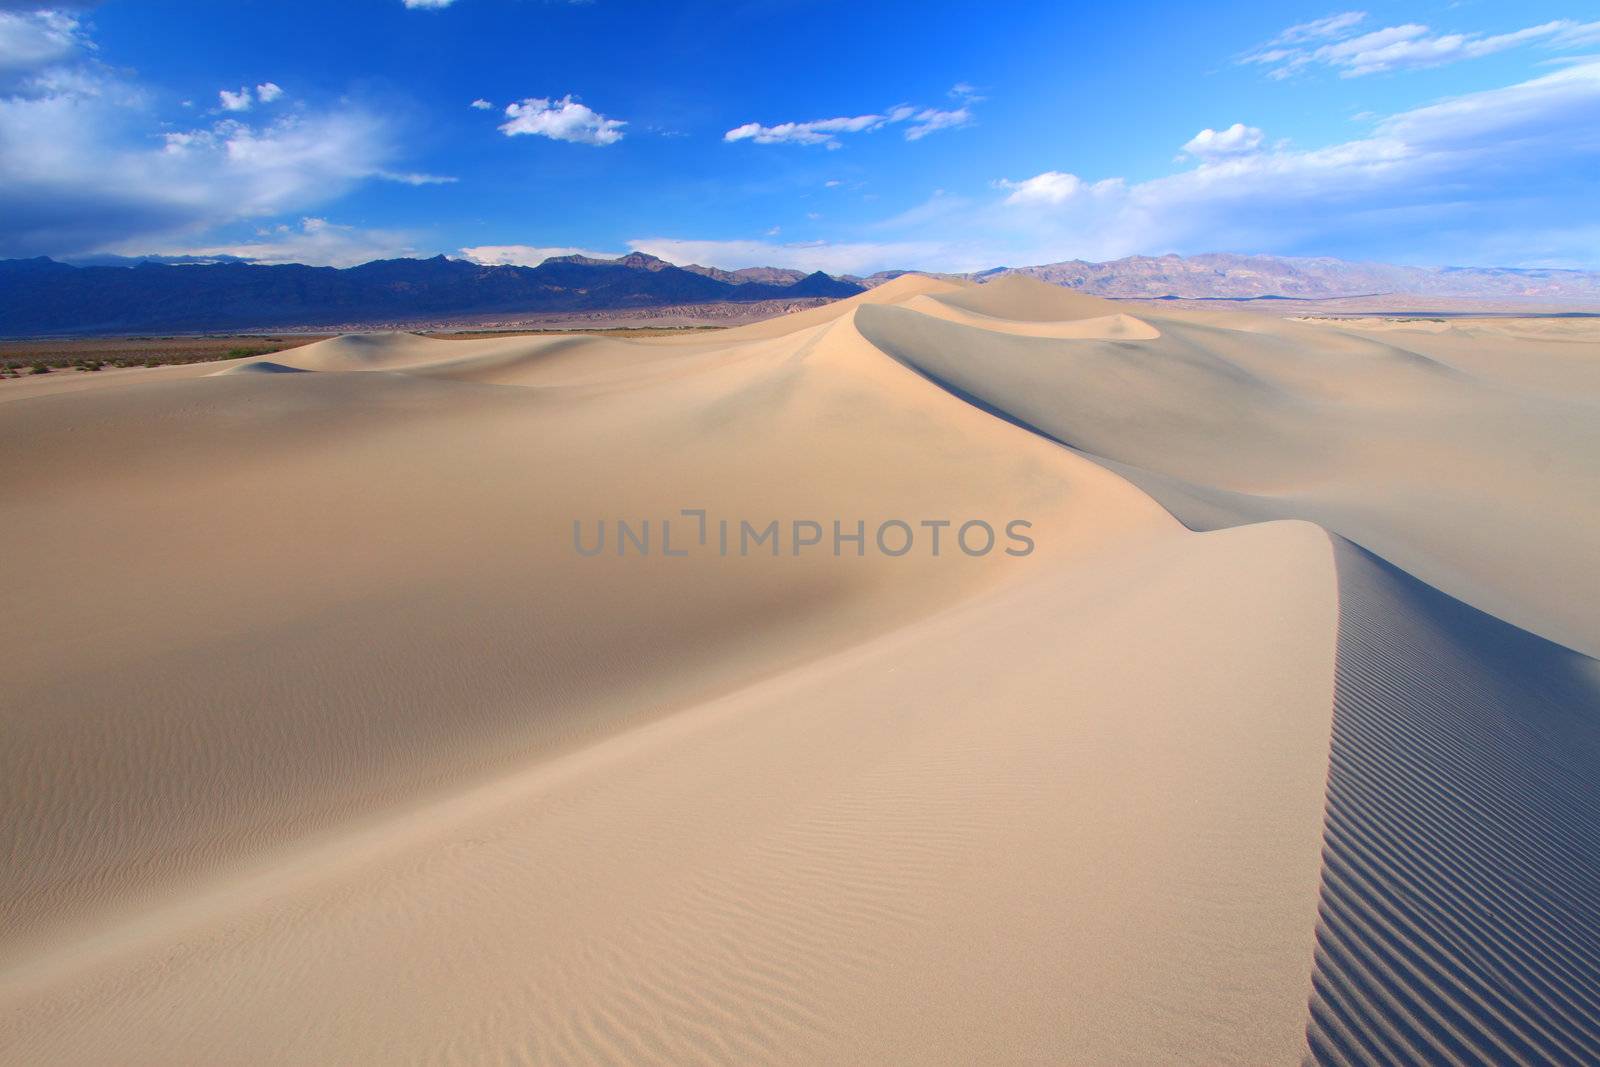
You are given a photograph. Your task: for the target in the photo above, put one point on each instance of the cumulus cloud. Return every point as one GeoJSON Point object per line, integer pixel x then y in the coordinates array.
{"type": "Point", "coordinates": [427, 5]}
{"type": "Point", "coordinates": [1468, 173]}
{"type": "Point", "coordinates": [1404, 47]}
{"type": "Point", "coordinates": [1055, 187]}
{"type": "Point", "coordinates": [265, 93]}
{"type": "Point", "coordinates": [525, 255]}
{"type": "Point", "coordinates": [923, 121]}
{"type": "Point", "coordinates": [482, 104]}
{"type": "Point", "coordinates": [1236, 140]}
{"type": "Point", "coordinates": [561, 120]}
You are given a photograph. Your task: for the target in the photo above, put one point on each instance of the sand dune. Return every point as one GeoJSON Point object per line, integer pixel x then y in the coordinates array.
{"type": "Point", "coordinates": [1480, 487]}
{"type": "Point", "coordinates": [326, 745]}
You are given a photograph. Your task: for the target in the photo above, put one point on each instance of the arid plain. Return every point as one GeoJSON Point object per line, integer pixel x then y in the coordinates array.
{"type": "Point", "coordinates": [324, 744]}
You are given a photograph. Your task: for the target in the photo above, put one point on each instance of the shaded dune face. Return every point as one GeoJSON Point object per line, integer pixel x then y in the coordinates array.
{"type": "Point", "coordinates": [1461, 881]}
{"type": "Point", "coordinates": [368, 765]}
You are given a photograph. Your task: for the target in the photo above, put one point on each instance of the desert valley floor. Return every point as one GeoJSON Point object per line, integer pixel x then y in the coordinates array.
{"type": "Point", "coordinates": [323, 745]}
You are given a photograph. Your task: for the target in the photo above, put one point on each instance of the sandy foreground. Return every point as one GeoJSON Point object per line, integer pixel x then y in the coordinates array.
{"type": "Point", "coordinates": [323, 743]}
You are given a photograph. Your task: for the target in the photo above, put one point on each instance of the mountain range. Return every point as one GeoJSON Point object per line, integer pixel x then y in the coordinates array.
{"type": "Point", "coordinates": [43, 297]}
{"type": "Point", "coordinates": [1222, 276]}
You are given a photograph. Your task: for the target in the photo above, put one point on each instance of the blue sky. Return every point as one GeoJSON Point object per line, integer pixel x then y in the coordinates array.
{"type": "Point", "coordinates": [847, 137]}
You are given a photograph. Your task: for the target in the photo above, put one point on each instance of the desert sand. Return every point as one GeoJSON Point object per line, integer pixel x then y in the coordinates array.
{"type": "Point", "coordinates": [323, 743]}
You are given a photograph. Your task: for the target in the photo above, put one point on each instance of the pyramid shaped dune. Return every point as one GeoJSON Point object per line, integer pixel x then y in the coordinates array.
{"type": "Point", "coordinates": [949, 674]}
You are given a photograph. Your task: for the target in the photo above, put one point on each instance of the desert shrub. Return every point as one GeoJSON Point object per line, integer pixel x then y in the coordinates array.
{"type": "Point", "coordinates": [40, 368]}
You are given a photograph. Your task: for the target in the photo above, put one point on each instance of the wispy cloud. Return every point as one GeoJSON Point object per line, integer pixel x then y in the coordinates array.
{"type": "Point", "coordinates": [561, 120]}
{"type": "Point", "coordinates": [87, 164]}
{"type": "Point", "coordinates": [817, 131]}
{"type": "Point", "coordinates": [1333, 43]}
{"type": "Point", "coordinates": [312, 240]}
{"type": "Point", "coordinates": [427, 5]}
{"type": "Point", "coordinates": [32, 39]}
{"type": "Point", "coordinates": [931, 120]}
{"type": "Point", "coordinates": [414, 178]}
{"type": "Point", "coordinates": [834, 258]}
{"type": "Point", "coordinates": [481, 104]}
{"type": "Point", "coordinates": [922, 121]}
{"type": "Point", "coordinates": [1455, 177]}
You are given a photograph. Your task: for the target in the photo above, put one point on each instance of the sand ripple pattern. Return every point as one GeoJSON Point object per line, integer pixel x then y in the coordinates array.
{"type": "Point", "coordinates": [1460, 914]}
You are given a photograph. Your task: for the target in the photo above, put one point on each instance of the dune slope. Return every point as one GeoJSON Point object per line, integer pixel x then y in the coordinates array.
{"type": "Point", "coordinates": [1480, 487]}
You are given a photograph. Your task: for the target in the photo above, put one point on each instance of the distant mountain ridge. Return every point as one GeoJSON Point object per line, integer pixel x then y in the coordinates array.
{"type": "Point", "coordinates": [150, 294]}
{"type": "Point", "coordinates": [1227, 276]}
{"type": "Point", "coordinates": [41, 296]}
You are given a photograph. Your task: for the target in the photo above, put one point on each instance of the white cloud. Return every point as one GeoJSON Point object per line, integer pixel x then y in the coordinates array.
{"type": "Point", "coordinates": [1052, 187]}
{"type": "Point", "coordinates": [1236, 140]}
{"type": "Point", "coordinates": [525, 255]}
{"type": "Point", "coordinates": [32, 39]}
{"type": "Point", "coordinates": [1413, 46]}
{"type": "Point", "coordinates": [239, 101]}
{"type": "Point", "coordinates": [482, 104]}
{"type": "Point", "coordinates": [89, 163]}
{"type": "Point", "coordinates": [314, 241]}
{"type": "Point", "coordinates": [427, 5]}
{"type": "Point", "coordinates": [1404, 47]}
{"type": "Point", "coordinates": [561, 120]}
{"type": "Point", "coordinates": [414, 178]}
{"type": "Point", "coordinates": [79, 172]}
{"type": "Point", "coordinates": [931, 120]}
{"type": "Point", "coordinates": [818, 131]}
{"type": "Point", "coordinates": [1332, 26]}
{"type": "Point", "coordinates": [1578, 36]}
{"type": "Point", "coordinates": [924, 120]}
{"type": "Point", "coordinates": [1451, 179]}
